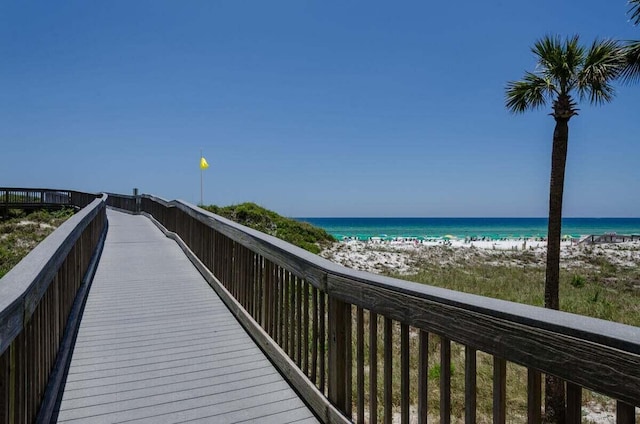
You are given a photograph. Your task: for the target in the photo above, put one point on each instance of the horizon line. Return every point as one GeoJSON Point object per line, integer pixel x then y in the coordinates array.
{"type": "Point", "coordinates": [464, 217]}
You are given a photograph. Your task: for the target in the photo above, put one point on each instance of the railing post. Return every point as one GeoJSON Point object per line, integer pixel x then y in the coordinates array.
{"type": "Point", "coordinates": [534, 396]}
{"type": "Point", "coordinates": [137, 200]}
{"type": "Point", "coordinates": [338, 319]}
{"type": "Point", "coordinates": [574, 403]}
{"type": "Point", "coordinates": [625, 413]}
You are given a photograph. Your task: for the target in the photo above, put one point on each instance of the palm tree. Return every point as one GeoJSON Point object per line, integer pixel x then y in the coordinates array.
{"type": "Point", "coordinates": [631, 72]}
{"type": "Point", "coordinates": [634, 10]}
{"type": "Point", "coordinates": [565, 71]}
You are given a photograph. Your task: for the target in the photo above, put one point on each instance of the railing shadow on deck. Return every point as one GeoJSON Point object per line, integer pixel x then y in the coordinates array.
{"type": "Point", "coordinates": [40, 301]}
{"type": "Point", "coordinates": [309, 316]}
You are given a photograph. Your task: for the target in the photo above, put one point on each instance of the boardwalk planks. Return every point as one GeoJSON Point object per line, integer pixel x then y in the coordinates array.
{"type": "Point", "coordinates": [156, 342]}
{"type": "Point", "coordinates": [588, 353]}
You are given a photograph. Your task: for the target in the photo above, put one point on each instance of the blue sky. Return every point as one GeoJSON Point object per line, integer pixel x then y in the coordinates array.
{"type": "Point", "coordinates": [308, 108]}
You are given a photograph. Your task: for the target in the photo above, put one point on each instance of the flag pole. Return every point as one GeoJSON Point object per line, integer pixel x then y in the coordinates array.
{"type": "Point", "coordinates": [201, 201]}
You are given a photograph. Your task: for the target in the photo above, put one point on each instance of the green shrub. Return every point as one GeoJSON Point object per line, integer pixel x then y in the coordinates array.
{"type": "Point", "coordinates": [434, 371]}
{"type": "Point", "coordinates": [16, 213]}
{"type": "Point", "coordinates": [578, 281]}
{"type": "Point", "coordinates": [301, 234]}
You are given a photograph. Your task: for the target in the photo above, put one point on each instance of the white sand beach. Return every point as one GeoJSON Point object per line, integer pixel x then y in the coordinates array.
{"type": "Point", "coordinates": [403, 257]}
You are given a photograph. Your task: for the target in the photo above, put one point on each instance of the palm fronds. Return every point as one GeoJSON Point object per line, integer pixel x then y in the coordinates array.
{"type": "Point", "coordinates": [631, 71]}
{"type": "Point", "coordinates": [634, 11]}
{"type": "Point", "coordinates": [558, 60]}
{"type": "Point", "coordinates": [564, 67]}
{"type": "Point", "coordinates": [603, 63]}
{"type": "Point", "coordinates": [532, 92]}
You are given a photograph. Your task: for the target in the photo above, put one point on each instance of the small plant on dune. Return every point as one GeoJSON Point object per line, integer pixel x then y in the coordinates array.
{"type": "Point", "coordinates": [16, 213]}
{"type": "Point", "coordinates": [577, 281]}
{"type": "Point", "coordinates": [435, 370]}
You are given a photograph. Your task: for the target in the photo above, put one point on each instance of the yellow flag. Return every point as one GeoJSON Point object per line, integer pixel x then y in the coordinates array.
{"type": "Point", "coordinates": [203, 163]}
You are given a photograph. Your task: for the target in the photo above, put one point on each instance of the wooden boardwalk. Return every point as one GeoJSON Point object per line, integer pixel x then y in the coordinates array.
{"type": "Point", "coordinates": [157, 345]}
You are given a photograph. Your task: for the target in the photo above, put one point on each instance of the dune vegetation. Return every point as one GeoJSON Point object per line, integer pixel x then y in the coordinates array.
{"type": "Point", "coordinates": [21, 233]}
{"type": "Point", "coordinates": [301, 234]}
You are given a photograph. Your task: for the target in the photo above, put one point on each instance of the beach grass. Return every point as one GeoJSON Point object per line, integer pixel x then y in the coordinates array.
{"type": "Point", "coordinates": [20, 234]}
{"type": "Point", "coordinates": [601, 290]}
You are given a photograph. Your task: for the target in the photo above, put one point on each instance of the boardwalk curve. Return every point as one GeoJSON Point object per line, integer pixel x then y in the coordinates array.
{"type": "Point", "coordinates": [157, 345]}
{"type": "Point", "coordinates": [332, 331]}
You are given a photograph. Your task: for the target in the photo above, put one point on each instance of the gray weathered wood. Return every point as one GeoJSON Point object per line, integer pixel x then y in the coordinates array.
{"type": "Point", "coordinates": [297, 260]}
{"type": "Point", "coordinates": [625, 413]}
{"type": "Point", "coordinates": [338, 316]}
{"type": "Point", "coordinates": [58, 374]}
{"type": "Point", "coordinates": [143, 291]}
{"type": "Point", "coordinates": [445, 380]}
{"type": "Point", "coordinates": [469, 385]}
{"type": "Point", "coordinates": [373, 367]}
{"type": "Point", "coordinates": [30, 307]}
{"type": "Point", "coordinates": [42, 198]}
{"type": "Point", "coordinates": [404, 373]}
{"type": "Point", "coordinates": [349, 361]}
{"type": "Point", "coordinates": [360, 365]}
{"type": "Point", "coordinates": [388, 370]}
{"type": "Point", "coordinates": [300, 262]}
{"type": "Point", "coordinates": [574, 404]}
{"type": "Point", "coordinates": [314, 336]}
{"type": "Point", "coordinates": [24, 285]}
{"type": "Point", "coordinates": [510, 330]}
{"type": "Point", "coordinates": [4, 386]}
{"type": "Point", "coordinates": [305, 326]}
{"type": "Point", "coordinates": [323, 338]}
{"type": "Point", "coordinates": [534, 396]}
{"type": "Point", "coordinates": [556, 353]}
{"type": "Point", "coordinates": [313, 397]}
{"type": "Point", "coordinates": [423, 372]}
{"type": "Point", "coordinates": [499, 390]}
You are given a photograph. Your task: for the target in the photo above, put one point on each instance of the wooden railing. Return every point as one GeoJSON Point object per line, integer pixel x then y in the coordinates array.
{"type": "Point", "coordinates": [609, 238]}
{"type": "Point", "coordinates": [38, 299]}
{"type": "Point", "coordinates": [124, 202]}
{"type": "Point", "coordinates": [41, 198]}
{"type": "Point", "coordinates": [360, 347]}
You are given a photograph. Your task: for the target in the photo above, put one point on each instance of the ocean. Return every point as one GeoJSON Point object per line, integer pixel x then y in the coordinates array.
{"type": "Point", "coordinates": [493, 228]}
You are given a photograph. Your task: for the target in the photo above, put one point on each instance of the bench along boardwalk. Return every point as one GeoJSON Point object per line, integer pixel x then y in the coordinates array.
{"type": "Point", "coordinates": [157, 345]}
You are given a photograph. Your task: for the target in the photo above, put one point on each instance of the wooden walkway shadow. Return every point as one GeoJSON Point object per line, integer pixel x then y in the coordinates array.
{"type": "Point", "coordinates": [157, 345]}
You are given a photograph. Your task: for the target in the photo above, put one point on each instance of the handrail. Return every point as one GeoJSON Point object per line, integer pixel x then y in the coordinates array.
{"type": "Point", "coordinates": [36, 297]}
{"type": "Point", "coordinates": [19, 198]}
{"type": "Point", "coordinates": [275, 283]}
{"type": "Point", "coordinates": [609, 238]}
{"type": "Point", "coordinates": [124, 202]}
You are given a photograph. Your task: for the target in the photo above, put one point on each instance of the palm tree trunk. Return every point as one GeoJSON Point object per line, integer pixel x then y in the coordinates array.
{"type": "Point", "coordinates": [556, 189]}
{"type": "Point", "coordinates": [554, 387]}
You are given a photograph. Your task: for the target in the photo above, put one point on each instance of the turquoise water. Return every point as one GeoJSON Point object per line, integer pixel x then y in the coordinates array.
{"type": "Point", "coordinates": [494, 228]}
